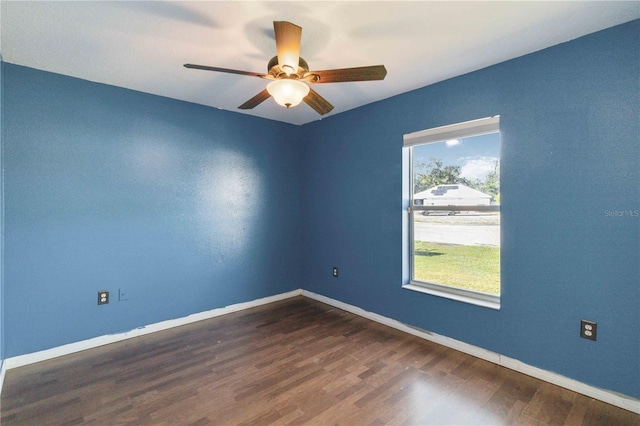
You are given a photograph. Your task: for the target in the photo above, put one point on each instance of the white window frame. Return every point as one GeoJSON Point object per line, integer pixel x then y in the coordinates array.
{"type": "Point", "coordinates": [466, 129]}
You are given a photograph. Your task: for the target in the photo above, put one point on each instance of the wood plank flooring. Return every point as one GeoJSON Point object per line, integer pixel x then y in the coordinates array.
{"type": "Point", "coordinates": [292, 362]}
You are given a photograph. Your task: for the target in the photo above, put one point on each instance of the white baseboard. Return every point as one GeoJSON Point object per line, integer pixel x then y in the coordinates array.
{"type": "Point", "coordinates": [610, 397]}
{"type": "Point", "coordinates": [3, 371]}
{"type": "Point", "coordinates": [22, 360]}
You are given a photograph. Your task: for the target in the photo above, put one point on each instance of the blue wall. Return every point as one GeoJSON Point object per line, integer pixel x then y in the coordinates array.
{"type": "Point", "coordinates": [189, 208]}
{"type": "Point", "coordinates": [570, 154]}
{"type": "Point", "coordinates": [1, 231]}
{"type": "Point", "coordinates": [184, 207]}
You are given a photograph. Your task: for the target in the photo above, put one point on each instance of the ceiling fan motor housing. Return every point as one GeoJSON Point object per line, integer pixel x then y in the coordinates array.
{"type": "Point", "coordinates": [276, 70]}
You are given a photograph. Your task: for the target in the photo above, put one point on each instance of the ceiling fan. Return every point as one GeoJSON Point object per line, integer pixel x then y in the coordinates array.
{"type": "Point", "coordinates": [289, 73]}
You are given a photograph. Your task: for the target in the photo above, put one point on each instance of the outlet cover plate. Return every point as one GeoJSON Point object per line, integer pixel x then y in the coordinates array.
{"type": "Point", "coordinates": [103, 297]}
{"type": "Point", "coordinates": [588, 329]}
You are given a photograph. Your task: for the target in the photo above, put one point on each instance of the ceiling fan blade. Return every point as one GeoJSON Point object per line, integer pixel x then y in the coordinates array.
{"type": "Point", "coordinates": [317, 102]}
{"type": "Point", "coordinates": [256, 100]}
{"type": "Point", "coordinates": [375, 72]}
{"type": "Point", "coordinates": [288, 38]}
{"type": "Point", "coordinates": [227, 70]}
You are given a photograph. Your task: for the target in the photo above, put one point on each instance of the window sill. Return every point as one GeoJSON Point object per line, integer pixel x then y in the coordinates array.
{"type": "Point", "coordinates": [453, 294]}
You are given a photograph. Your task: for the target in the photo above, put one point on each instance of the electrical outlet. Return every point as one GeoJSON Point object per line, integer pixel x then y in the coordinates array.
{"type": "Point", "coordinates": [123, 295]}
{"type": "Point", "coordinates": [335, 272]}
{"type": "Point", "coordinates": [588, 329]}
{"type": "Point", "coordinates": [103, 297]}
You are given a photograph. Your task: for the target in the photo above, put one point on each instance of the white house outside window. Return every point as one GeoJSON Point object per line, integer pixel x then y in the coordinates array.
{"type": "Point", "coordinates": [454, 211]}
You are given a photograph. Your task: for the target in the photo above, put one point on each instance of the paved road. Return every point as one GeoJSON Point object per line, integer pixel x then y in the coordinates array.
{"type": "Point", "coordinates": [458, 230]}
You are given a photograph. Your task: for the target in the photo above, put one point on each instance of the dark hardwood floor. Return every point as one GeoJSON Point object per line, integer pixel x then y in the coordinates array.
{"type": "Point", "coordinates": [292, 362]}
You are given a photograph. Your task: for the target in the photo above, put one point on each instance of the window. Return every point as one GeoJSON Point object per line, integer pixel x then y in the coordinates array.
{"type": "Point", "coordinates": [454, 211]}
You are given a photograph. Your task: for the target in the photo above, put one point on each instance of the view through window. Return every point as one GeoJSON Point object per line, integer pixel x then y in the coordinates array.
{"type": "Point", "coordinates": [455, 214]}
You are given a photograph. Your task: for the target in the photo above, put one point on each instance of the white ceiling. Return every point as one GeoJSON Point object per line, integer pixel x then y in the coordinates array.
{"type": "Point", "coordinates": [143, 45]}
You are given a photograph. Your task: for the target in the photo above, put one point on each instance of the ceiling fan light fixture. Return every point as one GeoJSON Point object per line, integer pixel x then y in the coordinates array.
{"type": "Point", "coordinates": [288, 92]}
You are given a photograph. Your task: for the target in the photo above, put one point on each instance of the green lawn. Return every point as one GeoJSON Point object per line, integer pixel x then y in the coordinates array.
{"type": "Point", "coordinates": [474, 268]}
